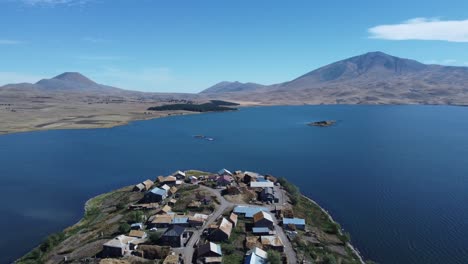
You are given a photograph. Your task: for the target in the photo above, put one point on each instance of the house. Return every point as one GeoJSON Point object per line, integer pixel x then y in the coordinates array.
{"type": "Point", "coordinates": [268, 195]}
{"type": "Point", "coordinates": [114, 248]}
{"type": "Point", "coordinates": [223, 172]}
{"type": "Point", "coordinates": [212, 177]}
{"type": "Point", "coordinates": [248, 211]}
{"type": "Point", "coordinates": [261, 231]}
{"type": "Point", "coordinates": [169, 180]}
{"type": "Point", "coordinates": [136, 226]}
{"type": "Point", "coordinates": [139, 187]}
{"type": "Point", "coordinates": [294, 223]}
{"type": "Point", "coordinates": [252, 242]}
{"type": "Point", "coordinates": [209, 249]}
{"type": "Point", "coordinates": [180, 220]}
{"type": "Point", "coordinates": [166, 187]}
{"type": "Point", "coordinates": [173, 190]}
{"type": "Point", "coordinates": [165, 210]}
{"type": "Point", "coordinates": [195, 221]}
{"type": "Point", "coordinates": [224, 180]}
{"type": "Point", "coordinates": [173, 237]}
{"type": "Point", "coordinates": [180, 175]}
{"type": "Point", "coordinates": [119, 246]}
{"type": "Point", "coordinates": [261, 184]}
{"type": "Point", "coordinates": [172, 259]}
{"type": "Point", "coordinates": [249, 176]}
{"type": "Point", "coordinates": [161, 179]}
{"type": "Point", "coordinates": [161, 221]}
{"type": "Point", "coordinates": [155, 195]}
{"type": "Point", "coordinates": [193, 180]}
{"type": "Point", "coordinates": [223, 232]}
{"type": "Point", "coordinates": [272, 242]}
{"type": "Point", "coordinates": [172, 202]}
{"type": "Point", "coordinates": [233, 219]}
{"type": "Point", "coordinates": [148, 184]}
{"type": "Point", "coordinates": [256, 256]}
{"type": "Point", "coordinates": [137, 234]}
{"type": "Point", "coordinates": [263, 219]}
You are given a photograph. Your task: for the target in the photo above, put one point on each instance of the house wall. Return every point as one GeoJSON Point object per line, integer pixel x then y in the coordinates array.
{"type": "Point", "coordinates": [112, 252]}
{"type": "Point", "coordinates": [263, 223]}
{"type": "Point", "coordinates": [218, 235]}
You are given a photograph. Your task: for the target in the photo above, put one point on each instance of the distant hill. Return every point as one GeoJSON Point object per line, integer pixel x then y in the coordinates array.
{"type": "Point", "coordinates": [63, 83]}
{"type": "Point", "coordinates": [228, 87]}
{"type": "Point", "coordinates": [371, 78]}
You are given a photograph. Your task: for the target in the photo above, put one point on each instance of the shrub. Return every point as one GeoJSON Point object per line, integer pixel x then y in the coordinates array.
{"type": "Point", "coordinates": [274, 257]}
{"type": "Point", "coordinates": [124, 228]}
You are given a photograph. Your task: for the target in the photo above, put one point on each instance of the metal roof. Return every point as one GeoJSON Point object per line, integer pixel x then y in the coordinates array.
{"type": "Point", "coordinates": [249, 211]}
{"type": "Point", "coordinates": [256, 256]}
{"type": "Point", "coordinates": [159, 191]}
{"type": "Point", "coordinates": [262, 184]}
{"type": "Point", "coordinates": [260, 230]}
{"type": "Point", "coordinates": [180, 220]}
{"type": "Point", "coordinates": [293, 221]}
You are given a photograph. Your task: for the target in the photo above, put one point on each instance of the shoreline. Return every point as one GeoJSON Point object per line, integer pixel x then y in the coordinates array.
{"type": "Point", "coordinates": [348, 244]}
{"type": "Point", "coordinates": [72, 126]}
{"type": "Point", "coordinates": [88, 207]}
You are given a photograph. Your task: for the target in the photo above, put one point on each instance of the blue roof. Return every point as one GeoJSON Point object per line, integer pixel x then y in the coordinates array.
{"type": "Point", "coordinates": [293, 221]}
{"type": "Point", "coordinates": [180, 220]}
{"type": "Point", "coordinates": [260, 230]}
{"type": "Point", "coordinates": [249, 211]}
{"type": "Point", "coordinates": [159, 191]}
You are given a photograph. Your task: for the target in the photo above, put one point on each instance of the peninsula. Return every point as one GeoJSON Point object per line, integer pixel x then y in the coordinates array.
{"type": "Point", "coordinates": [200, 217]}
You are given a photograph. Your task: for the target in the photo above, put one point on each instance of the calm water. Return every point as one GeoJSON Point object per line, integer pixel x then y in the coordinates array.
{"type": "Point", "coordinates": [396, 177]}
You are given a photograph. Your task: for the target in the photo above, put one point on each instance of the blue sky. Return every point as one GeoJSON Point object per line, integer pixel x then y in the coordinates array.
{"type": "Point", "coordinates": [186, 46]}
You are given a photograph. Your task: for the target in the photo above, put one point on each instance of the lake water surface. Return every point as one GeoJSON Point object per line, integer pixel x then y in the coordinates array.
{"type": "Point", "coordinates": [395, 177]}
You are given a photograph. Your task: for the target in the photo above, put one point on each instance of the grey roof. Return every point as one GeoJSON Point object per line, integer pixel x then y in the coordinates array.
{"type": "Point", "coordinates": [249, 211]}
{"type": "Point", "coordinates": [174, 231]}
{"type": "Point", "coordinates": [159, 191]}
{"type": "Point", "coordinates": [293, 221]}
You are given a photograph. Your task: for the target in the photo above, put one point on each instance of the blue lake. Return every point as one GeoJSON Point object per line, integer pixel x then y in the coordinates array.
{"type": "Point", "coordinates": [395, 177]}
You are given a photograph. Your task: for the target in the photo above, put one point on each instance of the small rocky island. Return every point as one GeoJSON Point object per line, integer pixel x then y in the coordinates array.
{"type": "Point", "coordinates": [324, 123]}
{"type": "Point", "coordinates": [201, 217]}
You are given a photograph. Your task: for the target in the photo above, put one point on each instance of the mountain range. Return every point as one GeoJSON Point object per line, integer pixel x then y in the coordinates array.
{"type": "Point", "coordinates": [371, 78]}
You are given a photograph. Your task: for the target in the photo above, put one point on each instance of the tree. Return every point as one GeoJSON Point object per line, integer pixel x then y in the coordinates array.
{"type": "Point", "coordinates": [330, 259]}
{"type": "Point", "coordinates": [124, 228]}
{"type": "Point", "coordinates": [274, 257]}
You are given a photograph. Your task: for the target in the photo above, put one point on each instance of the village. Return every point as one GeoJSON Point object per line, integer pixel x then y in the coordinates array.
{"type": "Point", "coordinates": [199, 217]}
{"type": "Point", "coordinates": [223, 204]}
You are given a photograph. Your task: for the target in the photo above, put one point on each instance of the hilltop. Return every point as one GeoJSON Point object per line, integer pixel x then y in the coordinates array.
{"type": "Point", "coordinates": [371, 78]}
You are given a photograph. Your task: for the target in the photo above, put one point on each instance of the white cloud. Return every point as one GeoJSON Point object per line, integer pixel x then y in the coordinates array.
{"type": "Point", "coordinates": [423, 29]}
{"type": "Point", "coordinates": [17, 77]}
{"type": "Point", "coordinates": [10, 42]}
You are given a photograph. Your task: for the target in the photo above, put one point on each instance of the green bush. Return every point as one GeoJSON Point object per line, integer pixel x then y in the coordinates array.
{"type": "Point", "coordinates": [124, 228]}
{"type": "Point", "coordinates": [274, 257]}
